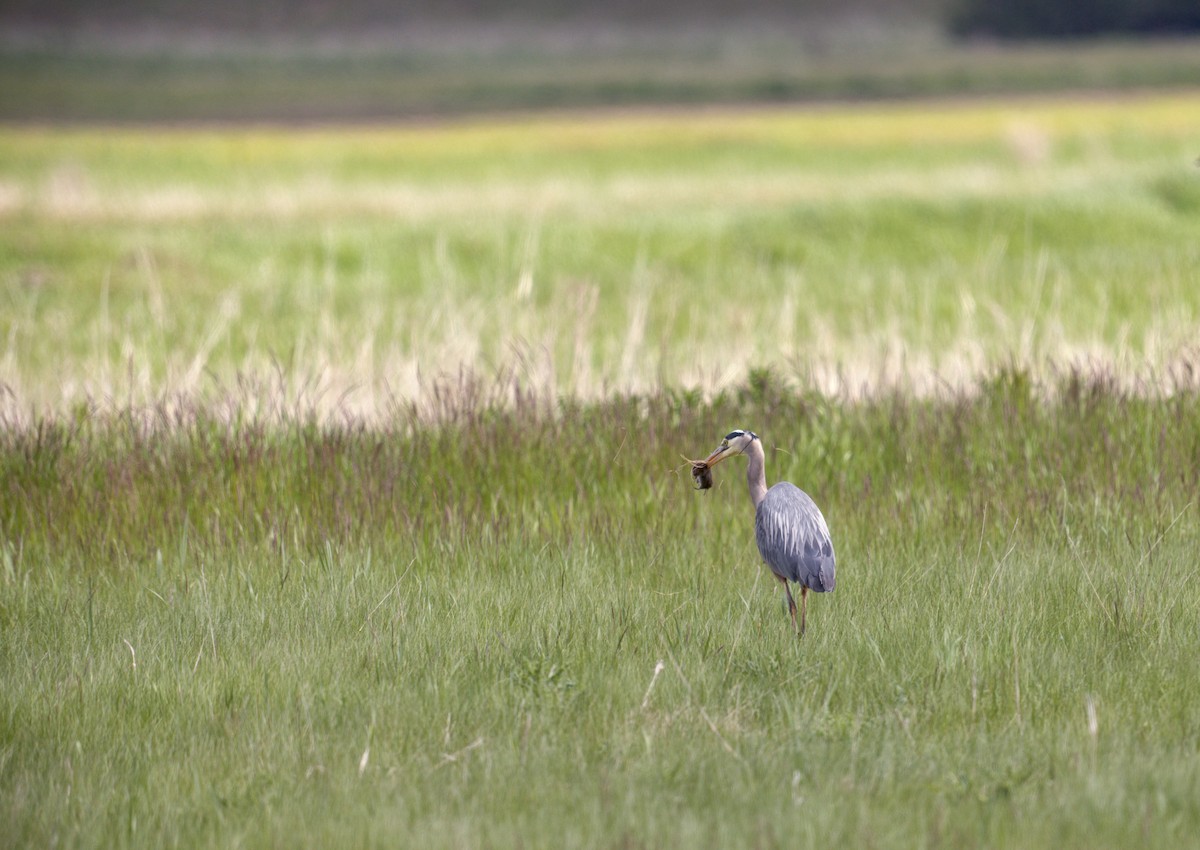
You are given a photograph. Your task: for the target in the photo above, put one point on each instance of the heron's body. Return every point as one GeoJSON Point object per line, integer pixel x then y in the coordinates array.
{"type": "Point", "coordinates": [793, 538]}
{"type": "Point", "coordinates": [789, 528]}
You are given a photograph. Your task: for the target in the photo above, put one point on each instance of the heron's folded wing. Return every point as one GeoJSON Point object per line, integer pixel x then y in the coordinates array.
{"type": "Point", "coordinates": [794, 539]}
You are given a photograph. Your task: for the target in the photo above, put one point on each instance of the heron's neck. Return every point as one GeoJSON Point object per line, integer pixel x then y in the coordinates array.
{"type": "Point", "coordinates": [756, 474]}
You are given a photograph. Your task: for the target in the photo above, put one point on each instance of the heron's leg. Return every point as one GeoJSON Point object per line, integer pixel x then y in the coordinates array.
{"type": "Point", "coordinates": [790, 601]}
{"type": "Point", "coordinates": [803, 608]}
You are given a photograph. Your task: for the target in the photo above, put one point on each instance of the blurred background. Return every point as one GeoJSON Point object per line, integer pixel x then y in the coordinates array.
{"type": "Point", "coordinates": [359, 195]}
{"type": "Point", "coordinates": [313, 60]}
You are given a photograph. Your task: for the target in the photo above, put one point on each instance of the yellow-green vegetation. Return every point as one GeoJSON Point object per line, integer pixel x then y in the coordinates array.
{"type": "Point", "coordinates": [913, 244]}
{"type": "Point", "coordinates": [342, 498]}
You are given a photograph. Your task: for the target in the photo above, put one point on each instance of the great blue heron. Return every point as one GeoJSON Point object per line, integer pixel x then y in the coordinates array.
{"type": "Point", "coordinates": [789, 527]}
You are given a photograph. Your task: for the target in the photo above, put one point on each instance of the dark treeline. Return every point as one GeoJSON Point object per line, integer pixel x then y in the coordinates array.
{"type": "Point", "coordinates": [1070, 18]}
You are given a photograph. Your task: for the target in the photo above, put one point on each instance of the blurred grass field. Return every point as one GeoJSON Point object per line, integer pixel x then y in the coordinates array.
{"type": "Point", "coordinates": [127, 76]}
{"type": "Point", "coordinates": [341, 498]}
{"type": "Point", "coordinates": [914, 245]}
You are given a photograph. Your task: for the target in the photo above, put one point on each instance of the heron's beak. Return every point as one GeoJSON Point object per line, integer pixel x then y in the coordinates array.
{"type": "Point", "coordinates": [719, 454]}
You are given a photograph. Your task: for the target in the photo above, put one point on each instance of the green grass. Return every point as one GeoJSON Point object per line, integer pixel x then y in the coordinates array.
{"type": "Point", "coordinates": [341, 497]}
{"type": "Point", "coordinates": [860, 247]}
{"type": "Point", "coordinates": [228, 633]}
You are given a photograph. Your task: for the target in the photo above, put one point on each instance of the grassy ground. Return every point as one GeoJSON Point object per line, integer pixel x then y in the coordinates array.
{"type": "Point", "coordinates": [341, 499]}
{"type": "Point", "coordinates": [525, 629]}
{"type": "Point", "coordinates": [914, 244]}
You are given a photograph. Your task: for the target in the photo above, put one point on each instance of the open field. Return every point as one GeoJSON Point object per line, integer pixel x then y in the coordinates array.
{"type": "Point", "coordinates": [225, 635]}
{"type": "Point", "coordinates": [857, 247]}
{"type": "Point", "coordinates": [340, 497]}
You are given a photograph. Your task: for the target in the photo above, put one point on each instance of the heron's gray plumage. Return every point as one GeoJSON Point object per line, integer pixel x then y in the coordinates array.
{"type": "Point", "coordinates": [793, 538]}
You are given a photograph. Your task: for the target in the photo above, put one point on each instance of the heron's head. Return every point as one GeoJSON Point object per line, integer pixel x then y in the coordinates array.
{"type": "Point", "coordinates": [735, 443]}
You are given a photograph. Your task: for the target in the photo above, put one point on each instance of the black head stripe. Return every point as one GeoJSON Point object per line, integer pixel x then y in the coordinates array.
{"type": "Point", "coordinates": [733, 435]}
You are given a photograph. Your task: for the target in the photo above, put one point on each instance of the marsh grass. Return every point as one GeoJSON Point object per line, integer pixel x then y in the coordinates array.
{"type": "Point", "coordinates": [342, 495]}
{"type": "Point", "coordinates": [871, 249]}
{"type": "Point", "coordinates": [223, 632]}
